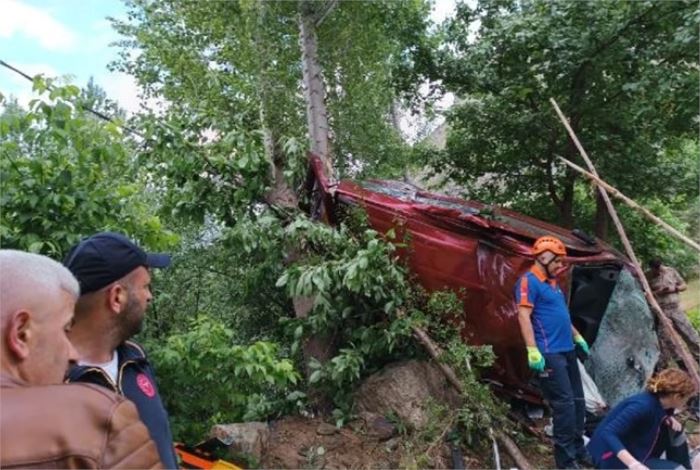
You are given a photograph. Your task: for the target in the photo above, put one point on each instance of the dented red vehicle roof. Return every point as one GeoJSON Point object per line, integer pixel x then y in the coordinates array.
{"type": "Point", "coordinates": [476, 250]}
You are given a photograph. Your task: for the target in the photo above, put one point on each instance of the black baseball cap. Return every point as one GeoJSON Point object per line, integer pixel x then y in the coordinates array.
{"type": "Point", "coordinates": [105, 257]}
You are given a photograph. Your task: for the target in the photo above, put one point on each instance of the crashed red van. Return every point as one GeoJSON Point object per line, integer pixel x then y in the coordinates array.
{"type": "Point", "coordinates": [479, 251]}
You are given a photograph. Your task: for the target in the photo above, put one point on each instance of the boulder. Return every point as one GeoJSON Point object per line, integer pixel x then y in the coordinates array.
{"type": "Point", "coordinates": [250, 438]}
{"type": "Point", "coordinates": [380, 428]}
{"type": "Point", "coordinates": [325, 429]}
{"type": "Point", "coordinates": [405, 390]}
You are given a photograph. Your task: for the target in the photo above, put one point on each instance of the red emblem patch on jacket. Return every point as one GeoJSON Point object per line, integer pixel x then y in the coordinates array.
{"type": "Point", "coordinates": [145, 385]}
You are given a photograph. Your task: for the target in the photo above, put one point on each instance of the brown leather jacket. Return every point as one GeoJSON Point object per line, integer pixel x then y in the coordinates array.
{"type": "Point", "coordinates": [70, 426]}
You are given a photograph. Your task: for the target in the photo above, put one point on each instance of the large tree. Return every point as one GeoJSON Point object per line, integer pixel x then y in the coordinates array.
{"type": "Point", "coordinates": [625, 73]}
{"type": "Point", "coordinates": [242, 79]}
{"type": "Point", "coordinates": [232, 71]}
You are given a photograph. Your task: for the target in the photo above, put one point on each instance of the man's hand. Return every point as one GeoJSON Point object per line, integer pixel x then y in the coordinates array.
{"type": "Point", "coordinates": [578, 339]}
{"type": "Point", "coordinates": [535, 359]}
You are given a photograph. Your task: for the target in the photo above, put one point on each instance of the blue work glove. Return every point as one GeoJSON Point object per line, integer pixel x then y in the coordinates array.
{"type": "Point", "coordinates": [578, 339]}
{"type": "Point", "coordinates": [535, 359]}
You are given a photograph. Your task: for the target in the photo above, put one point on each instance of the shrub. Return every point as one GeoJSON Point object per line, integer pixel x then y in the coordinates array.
{"type": "Point", "coordinates": [205, 379]}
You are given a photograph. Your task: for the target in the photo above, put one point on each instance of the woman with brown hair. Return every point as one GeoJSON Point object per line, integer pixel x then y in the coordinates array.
{"type": "Point", "coordinates": [640, 428]}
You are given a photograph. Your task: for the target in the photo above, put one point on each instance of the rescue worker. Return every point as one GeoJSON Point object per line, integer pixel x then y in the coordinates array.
{"type": "Point", "coordinates": [666, 284]}
{"type": "Point", "coordinates": [115, 291]}
{"type": "Point", "coordinates": [44, 423]}
{"type": "Point", "coordinates": [550, 338]}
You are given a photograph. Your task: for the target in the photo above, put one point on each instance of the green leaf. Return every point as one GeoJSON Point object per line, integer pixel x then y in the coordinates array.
{"type": "Point", "coordinates": [315, 376]}
{"type": "Point", "coordinates": [35, 247]}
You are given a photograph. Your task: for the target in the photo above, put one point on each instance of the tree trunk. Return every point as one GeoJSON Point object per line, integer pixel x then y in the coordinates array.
{"type": "Point", "coordinates": [396, 117]}
{"type": "Point", "coordinates": [314, 87]}
{"type": "Point", "coordinates": [564, 204]}
{"type": "Point", "coordinates": [316, 347]}
{"type": "Point", "coordinates": [567, 201]}
{"type": "Point", "coordinates": [280, 195]}
{"type": "Point", "coordinates": [602, 218]}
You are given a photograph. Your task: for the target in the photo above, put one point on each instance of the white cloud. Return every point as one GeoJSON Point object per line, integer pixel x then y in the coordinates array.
{"type": "Point", "coordinates": [123, 89]}
{"type": "Point", "coordinates": [18, 18]}
{"type": "Point", "coordinates": [443, 9]}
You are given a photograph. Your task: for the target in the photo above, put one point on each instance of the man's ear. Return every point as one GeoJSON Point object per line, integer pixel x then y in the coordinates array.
{"type": "Point", "coordinates": [19, 334]}
{"type": "Point", "coordinates": [116, 298]}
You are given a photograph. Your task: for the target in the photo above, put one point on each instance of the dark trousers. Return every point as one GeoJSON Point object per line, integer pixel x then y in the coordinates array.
{"type": "Point", "coordinates": [676, 447]}
{"type": "Point", "coordinates": [561, 387]}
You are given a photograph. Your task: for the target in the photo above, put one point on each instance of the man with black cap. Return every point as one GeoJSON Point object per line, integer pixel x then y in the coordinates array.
{"type": "Point", "coordinates": [114, 278]}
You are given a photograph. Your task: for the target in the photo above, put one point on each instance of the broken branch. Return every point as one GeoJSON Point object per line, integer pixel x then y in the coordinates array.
{"type": "Point", "coordinates": [632, 204]}
{"type": "Point", "coordinates": [667, 327]}
{"type": "Point", "coordinates": [435, 352]}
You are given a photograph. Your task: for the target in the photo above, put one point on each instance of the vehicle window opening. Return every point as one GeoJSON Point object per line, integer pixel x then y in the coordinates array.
{"type": "Point", "coordinates": [591, 288]}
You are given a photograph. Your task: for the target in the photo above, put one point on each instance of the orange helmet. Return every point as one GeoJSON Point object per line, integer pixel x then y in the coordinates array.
{"type": "Point", "coordinates": [548, 243]}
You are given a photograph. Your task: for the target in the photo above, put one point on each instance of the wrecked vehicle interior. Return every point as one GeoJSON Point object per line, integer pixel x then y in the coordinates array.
{"type": "Point", "coordinates": [479, 251]}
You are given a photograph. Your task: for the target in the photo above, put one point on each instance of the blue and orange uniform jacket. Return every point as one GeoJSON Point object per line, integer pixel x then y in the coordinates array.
{"type": "Point", "coordinates": [551, 321]}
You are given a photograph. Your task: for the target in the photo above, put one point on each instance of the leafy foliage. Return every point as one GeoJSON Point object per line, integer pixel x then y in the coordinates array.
{"type": "Point", "coordinates": [67, 175]}
{"type": "Point", "coordinates": [228, 274]}
{"type": "Point", "coordinates": [230, 73]}
{"type": "Point", "coordinates": [480, 408]}
{"type": "Point", "coordinates": [372, 50]}
{"type": "Point", "coordinates": [623, 71]}
{"type": "Point", "coordinates": [359, 289]}
{"type": "Point", "coordinates": [206, 379]}
{"type": "Point", "coordinates": [356, 285]}
{"type": "Point", "coordinates": [228, 76]}
{"type": "Point", "coordinates": [694, 316]}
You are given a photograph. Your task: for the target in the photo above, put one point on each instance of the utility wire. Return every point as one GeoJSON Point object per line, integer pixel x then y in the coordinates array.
{"type": "Point", "coordinates": [109, 119]}
{"type": "Point", "coordinates": [96, 113]}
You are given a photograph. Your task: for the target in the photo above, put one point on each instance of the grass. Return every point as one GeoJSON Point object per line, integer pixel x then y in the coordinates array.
{"type": "Point", "coordinates": [690, 302]}
{"type": "Point", "coordinates": [694, 317]}
{"type": "Point", "coordinates": [690, 298]}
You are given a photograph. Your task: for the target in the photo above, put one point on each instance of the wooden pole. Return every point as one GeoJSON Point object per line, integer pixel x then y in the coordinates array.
{"type": "Point", "coordinates": [667, 327]}
{"type": "Point", "coordinates": [632, 204]}
{"type": "Point", "coordinates": [435, 352]}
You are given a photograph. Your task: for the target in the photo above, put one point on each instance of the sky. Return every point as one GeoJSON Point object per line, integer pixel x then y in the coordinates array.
{"type": "Point", "coordinates": [62, 37]}
{"type": "Point", "coordinates": [72, 38]}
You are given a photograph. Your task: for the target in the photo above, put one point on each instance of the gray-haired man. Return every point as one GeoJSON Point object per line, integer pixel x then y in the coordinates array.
{"type": "Point", "coordinates": [45, 423]}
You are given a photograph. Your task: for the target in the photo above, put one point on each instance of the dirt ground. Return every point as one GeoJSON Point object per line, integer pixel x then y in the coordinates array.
{"type": "Point", "coordinates": [311, 443]}
{"type": "Point", "coordinates": [298, 442]}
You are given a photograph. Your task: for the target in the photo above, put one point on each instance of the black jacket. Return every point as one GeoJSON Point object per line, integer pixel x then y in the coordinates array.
{"type": "Point", "coordinates": [136, 381]}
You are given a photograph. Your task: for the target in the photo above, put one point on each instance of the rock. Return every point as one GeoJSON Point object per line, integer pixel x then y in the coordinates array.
{"type": "Point", "coordinates": [325, 429]}
{"type": "Point", "coordinates": [405, 390]}
{"type": "Point", "coordinates": [392, 444]}
{"type": "Point", "coordinates": [333, 442]}
{"type": "Point", "coordinates": [379, 428]}
{"type": "Point", "coordinates": [357, 425]}
{"type": "Point", "coordinates": [243, 438]}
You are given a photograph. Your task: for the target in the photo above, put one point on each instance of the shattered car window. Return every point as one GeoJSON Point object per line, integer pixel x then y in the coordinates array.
{"type": "Point", "coordinates": [626, 348]}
